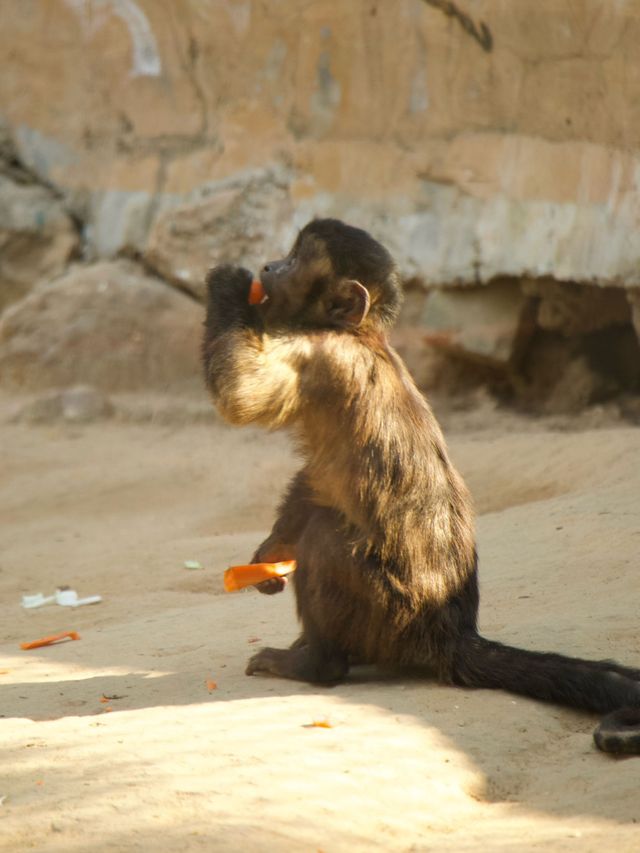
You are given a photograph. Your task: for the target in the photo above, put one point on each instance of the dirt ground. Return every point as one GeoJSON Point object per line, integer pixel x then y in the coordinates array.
{"type": "Point", "coordinates": [170, 764]}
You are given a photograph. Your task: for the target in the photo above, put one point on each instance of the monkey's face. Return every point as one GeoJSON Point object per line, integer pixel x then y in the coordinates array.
{"type": "Point", "coordinates": [303, 290]}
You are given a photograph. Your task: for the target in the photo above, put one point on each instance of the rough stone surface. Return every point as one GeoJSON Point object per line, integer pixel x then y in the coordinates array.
{"type": "Point", "coordinates": [483, 322]}
{"type": "Point", "coordinates": [37, 238]}
{"type": "Point", "coordinates": [471, 163]}
{"type": "Point", "coordinates": [245, 220]}
{"type": "Point", "coordinates": [108, 325]}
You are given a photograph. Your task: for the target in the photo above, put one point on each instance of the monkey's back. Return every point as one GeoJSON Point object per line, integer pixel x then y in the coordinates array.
{"type": "Point", "coordinates": [387, 562]}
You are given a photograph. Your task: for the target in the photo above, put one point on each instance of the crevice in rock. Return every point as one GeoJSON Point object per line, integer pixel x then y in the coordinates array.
{"type": "Point", "coordinates": [189, 64]}
{"type": "Point", "coordinates": [543, 345]}
{"type": "Point", "coordinates": [480, 32]}
{"type": "Point", "coordinates": [14, 168]}
{"type": "Point", "coordinates": [146, 264]}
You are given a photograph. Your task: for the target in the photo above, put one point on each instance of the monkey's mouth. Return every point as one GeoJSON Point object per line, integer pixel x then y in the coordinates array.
{"type": "Point", "coordinates": [264, 296]}
{"type": "Point", "coordinates": [257, 294]}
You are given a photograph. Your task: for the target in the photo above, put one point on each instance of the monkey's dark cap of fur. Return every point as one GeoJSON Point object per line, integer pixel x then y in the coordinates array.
{"type": "Point", "coordinates": [355, 254]}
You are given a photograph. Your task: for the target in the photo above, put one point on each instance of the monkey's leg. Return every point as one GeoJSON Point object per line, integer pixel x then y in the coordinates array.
{"type": "Point", "coordinates": [311, 657]}
{"type": "Point", "coordinates": [319, 655]}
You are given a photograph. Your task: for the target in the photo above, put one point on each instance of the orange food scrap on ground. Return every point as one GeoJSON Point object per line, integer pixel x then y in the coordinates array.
{"type": "Point", "coordinates": [237, 577]}
{"type": "Point", "coordinates": [47, 641]}
{"type": "Point", "coordinates": [319, 724]}
{"type": "Point", "coordinates": [211, 685]}
{"type": "Point", "coordinates": [104, 699]}
{"type": "Point", "coordinates": [256, 292]}
{"type": "Point", "coordinates": [106, 709]}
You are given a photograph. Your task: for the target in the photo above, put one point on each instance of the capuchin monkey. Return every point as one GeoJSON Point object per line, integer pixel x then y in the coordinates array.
{"type": "Point", "coordinates": [378, 519]}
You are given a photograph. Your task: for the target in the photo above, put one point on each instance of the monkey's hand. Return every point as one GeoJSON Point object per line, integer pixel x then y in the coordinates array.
{"type": "Point", "coordinates": [251, 377]}
{"type": "Point", "coordinates": [228, 301]}
{"type": "Point", "coordinates": [273, 552]}
{"type": "Point", "coordinates": [271, 586]}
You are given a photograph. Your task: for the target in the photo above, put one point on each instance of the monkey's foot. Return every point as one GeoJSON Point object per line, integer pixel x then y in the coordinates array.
{"type": "Point", "coordinates": [297, 663]}
{"type": "Point", "coordinates": [266, 662]}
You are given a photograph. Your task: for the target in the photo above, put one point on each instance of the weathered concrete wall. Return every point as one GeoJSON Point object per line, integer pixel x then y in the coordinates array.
{"type": "Point", "coordinates": [469, 162]}
{"type": "Point", "coordinates": [487, 143]}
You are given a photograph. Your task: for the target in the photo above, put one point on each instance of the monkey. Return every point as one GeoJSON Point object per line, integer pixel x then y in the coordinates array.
{"type": "Point", "coordinates": [378, 518]}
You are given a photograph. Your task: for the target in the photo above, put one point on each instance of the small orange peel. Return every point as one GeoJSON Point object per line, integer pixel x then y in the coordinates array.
{"type": "Point", "coordinates": [238, 577]}
{"type": "Point", "coordinates": [256, 292]}
{"type": "Point", "coordinates": [49, 641]}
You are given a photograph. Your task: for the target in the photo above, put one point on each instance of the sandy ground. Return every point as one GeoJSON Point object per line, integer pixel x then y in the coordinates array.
{"type": "Point", "coordinates": [407, 765]}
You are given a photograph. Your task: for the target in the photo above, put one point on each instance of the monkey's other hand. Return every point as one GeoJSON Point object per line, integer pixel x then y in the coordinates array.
{"type": "Point", "coordinates": [273, 551]}
{"type": "Point", "coordinates": [271, 586]}
{"type": "Point", "coordinates": [228, 299]}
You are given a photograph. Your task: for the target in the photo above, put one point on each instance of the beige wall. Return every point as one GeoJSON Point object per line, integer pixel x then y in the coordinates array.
{"type": "Point", "coordinates": [468, 163]}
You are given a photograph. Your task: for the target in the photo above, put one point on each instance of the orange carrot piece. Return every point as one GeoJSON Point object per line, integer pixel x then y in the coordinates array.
{"type": "Point", "coordinates": [211, 685]}
{"type": "Point", "coordinates": [237, 577]}
{"type": "Point", "coordinates": [47, 641]}
{"type": "Point", "coordinates": [256, 292]}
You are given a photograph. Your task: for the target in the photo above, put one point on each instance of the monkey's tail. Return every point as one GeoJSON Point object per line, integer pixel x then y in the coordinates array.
{"type": "Point", "coordinates": [601, 686]}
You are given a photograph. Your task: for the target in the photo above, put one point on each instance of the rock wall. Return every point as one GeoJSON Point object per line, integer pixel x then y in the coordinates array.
{"type": "Point", "coordinates": [513, 156]}
{"type": "Point", "coordinates": [480, 140]}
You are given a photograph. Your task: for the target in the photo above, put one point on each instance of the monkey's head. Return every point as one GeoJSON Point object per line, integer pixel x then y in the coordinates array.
{"type": "Point", "coordinates": [335, 276]}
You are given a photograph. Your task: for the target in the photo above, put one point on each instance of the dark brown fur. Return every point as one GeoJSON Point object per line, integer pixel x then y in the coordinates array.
{"type": "Point", "coordinates": [379, 520]}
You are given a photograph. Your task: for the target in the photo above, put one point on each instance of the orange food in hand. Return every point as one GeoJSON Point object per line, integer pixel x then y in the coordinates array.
{"type": "Point", "coordinates": [237, 577]}
{"type": "Point", "coordinates": [256, 292]}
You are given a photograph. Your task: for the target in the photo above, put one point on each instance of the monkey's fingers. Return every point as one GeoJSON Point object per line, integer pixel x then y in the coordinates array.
{"type": "Point", "coordinates": [267, 661]}
{"type": "Point", "coordinates": [271, 586]}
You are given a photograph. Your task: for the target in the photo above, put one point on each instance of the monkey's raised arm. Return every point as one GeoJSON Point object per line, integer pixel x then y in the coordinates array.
{"type": "Point", "coordinates": [252, 376]}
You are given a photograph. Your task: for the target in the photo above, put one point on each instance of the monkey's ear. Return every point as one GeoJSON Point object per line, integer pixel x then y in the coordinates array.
{"type": "Point", "coordinates": [349, 303]}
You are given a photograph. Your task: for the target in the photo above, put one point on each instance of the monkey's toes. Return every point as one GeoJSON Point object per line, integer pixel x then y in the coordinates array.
{"type": "Point", "coordinates": [263, 662]}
